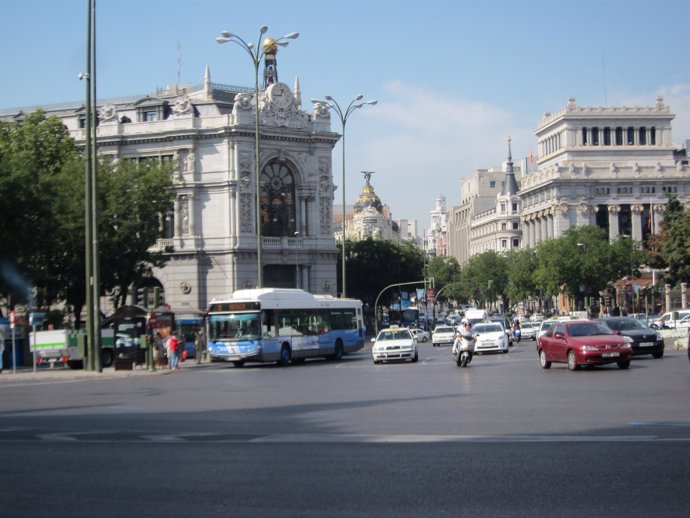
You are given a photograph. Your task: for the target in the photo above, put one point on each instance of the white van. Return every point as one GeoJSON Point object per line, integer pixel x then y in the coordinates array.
{"type": "Point", "coordinates": [670, 320]}
{"type": "Point", "coordinates": [476, 315]}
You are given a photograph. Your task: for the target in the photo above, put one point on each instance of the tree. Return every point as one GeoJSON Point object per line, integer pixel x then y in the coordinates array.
{"type": "Point", "coordinates": [521, 267]}
{"type": "Point", "coordinates": [445, 271]}
{"type": "Point", "coordinates": [33, 153]}
{"type": "Point", "coordinates": [42, 176]}
{"type": "Point", "coordinates": [485, 278]}
{"type": "Point", "coordinates": [373, 264]}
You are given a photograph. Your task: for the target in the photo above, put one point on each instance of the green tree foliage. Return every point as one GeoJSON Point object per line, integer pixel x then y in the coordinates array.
{"type": "Point", "coordinates": [33, 154]}
{"type": "Point", "coordinates": [485, 278]}
{"type": "Point", "coordinates": [445, 272]}
{"type": "Point", "coordinates": [521, 267]}
{"type": "Point", "coordinates": [373, 264]}
{"type": "Point", "coordinates": [676, 242]}
{"type": "Point", "coordinates": [42, 200]}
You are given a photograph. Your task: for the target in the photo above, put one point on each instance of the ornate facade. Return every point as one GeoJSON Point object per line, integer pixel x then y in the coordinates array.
{"type": "Point", "coordinates": [208, 133]}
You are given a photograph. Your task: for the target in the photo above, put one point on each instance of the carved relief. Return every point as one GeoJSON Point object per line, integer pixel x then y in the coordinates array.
{"type": "Point", "coordinates": [243, 101]}
{"type": "Point", "coordinates": [245, 181]}
{"type": "Point", "coordinates": [182, 106]}
{"type": "Point", "coordinates": [325, 218]}
{"type": "Point", "coordinates": [613, 209]}
{"type": "Point", "coordinates": [321, 111]}
{"type": "Point", "coordinates": [184, 213]}
{"type": "Point", "coordinates": [245, 160]}
{"type": "Point", "coordinates": [246, 204]}
{"type": "Point", "coordinates": [107, 113]}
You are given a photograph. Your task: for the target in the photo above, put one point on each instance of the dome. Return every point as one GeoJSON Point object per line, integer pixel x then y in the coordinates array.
{"type": "Point", "coordinates": [366, 199]}
{"type": "Point", "coordinates": [269, 45]}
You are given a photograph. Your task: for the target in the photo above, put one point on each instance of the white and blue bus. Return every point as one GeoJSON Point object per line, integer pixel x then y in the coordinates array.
{"type": "Point", "coordinates": [282, 325]}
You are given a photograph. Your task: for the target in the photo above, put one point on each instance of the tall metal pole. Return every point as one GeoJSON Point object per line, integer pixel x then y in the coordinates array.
{"type": "Point", "coordinates": [88, 192]}
{"type": "Point", "coordinates": [256, 52]}
{"type": "Point", "coordinates": [343, 116]}
{"type": "Point", "coordinates": [95, 269]}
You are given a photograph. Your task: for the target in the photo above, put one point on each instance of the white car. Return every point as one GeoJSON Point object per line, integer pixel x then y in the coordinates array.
{"type": "Point", "coordinates": [420, 334]}
{"type": "Point", "coordinates": [443, 335]}
{"type": "Point", "coordinates": [395, 344]}
{"type": "Point", "coordinates": [490, 337]}
{"type": "Point", "coordinates": [528, 330]}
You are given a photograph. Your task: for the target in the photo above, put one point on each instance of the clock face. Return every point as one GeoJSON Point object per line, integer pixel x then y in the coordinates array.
{"type": "Point", "coordinates": [280, 95]}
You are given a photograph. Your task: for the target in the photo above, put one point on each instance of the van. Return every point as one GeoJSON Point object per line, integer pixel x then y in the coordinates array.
{"type": "Point", "coordinates": [476, 315]}
{"type": "Point", "coordinates": [669, 320]}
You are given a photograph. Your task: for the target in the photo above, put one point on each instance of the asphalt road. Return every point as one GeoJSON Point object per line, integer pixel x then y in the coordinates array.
{"type": "Point", "coordinates": [500, 438]}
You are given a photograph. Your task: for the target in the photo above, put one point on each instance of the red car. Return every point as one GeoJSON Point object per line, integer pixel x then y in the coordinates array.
{"type": "Point", "coordinates": [583, 342]}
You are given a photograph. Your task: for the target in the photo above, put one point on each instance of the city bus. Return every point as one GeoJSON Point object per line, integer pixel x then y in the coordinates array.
{"type": "Point", "coordinates": [282, 325]}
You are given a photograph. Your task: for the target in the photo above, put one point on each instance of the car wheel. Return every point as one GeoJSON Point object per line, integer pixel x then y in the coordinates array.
{"type": "Point", "coordinates": [572, 361]}
{"type": "Point", "coordinates": [545, 364]}
{"type": "Point", "coordinates": [658, 355]}
{"type": "Point", "coordinates": [376, 362]}
{"type": "Point", "coordinates": [624, 364]}
{"type": "Point", "coordinates": [415, 357]}
{"type": "Point", "coordinates": [238, 363]}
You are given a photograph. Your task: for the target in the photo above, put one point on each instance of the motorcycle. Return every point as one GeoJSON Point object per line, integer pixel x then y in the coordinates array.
{"type": "Point", "coordinates": [463, 350]}
{"type": "Point", "coordinates": [517, 334]}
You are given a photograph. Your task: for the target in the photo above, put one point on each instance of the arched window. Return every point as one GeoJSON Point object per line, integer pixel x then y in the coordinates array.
{"type": "Point", "coordinates": [278, 214]}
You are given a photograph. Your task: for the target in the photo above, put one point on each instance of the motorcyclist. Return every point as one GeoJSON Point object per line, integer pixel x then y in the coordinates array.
{"type": "Point", "coordinates": [517, 329]}
{"type": "Point", "coordinates": [464, 331]}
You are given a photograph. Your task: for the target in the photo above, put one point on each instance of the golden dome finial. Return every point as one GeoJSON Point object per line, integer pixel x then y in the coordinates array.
{"type": "Point", "coordinates": [270, 46]}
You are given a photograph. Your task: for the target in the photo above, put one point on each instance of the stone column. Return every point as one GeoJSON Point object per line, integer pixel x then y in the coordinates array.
{"type": "Point", "coordinates": [636, 216]}
{"type": "Point", "coordinates": [613, 221]}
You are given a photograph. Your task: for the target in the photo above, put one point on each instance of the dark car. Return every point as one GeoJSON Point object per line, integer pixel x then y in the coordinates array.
{"type": "Point", "coordinates": [583, 342]}
{"type": "Point", "coordinates": [645, 339]}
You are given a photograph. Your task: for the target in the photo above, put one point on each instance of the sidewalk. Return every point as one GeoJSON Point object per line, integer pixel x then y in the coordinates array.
{"type": "Point", "coordinates": [63, 373]}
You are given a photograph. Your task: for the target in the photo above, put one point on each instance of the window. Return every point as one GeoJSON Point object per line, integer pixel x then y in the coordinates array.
{"type": "Point", "coordinates": [514, 207]}
{"type": "Point", "coordinates": [631, 136]}
{"type": "Point", "coordinates": [150, 116]}
{"type": "Point", "coordinates": [607, 136]}
{"type": "Point", "coordinates": [595, 136]}
{"type": "Point", "coordinates": [503, 207]}
{"type": "Point", "coordinates": [504, 226]}
{"type": "Point", "coordinates": [619, 136]}
{"type": "Point", "coordinates": [652, 136]}
{"type": "Point", "coordinates": [504, 243]}
{"type": "Point", "coordinates": [516, 242]}
{"type": "Point", "coordinates": [278, 212]}
{"type": "Point", "coordinates": [584, 136]}
{"type": "Point", "coordinates": [516, 225]}
{"type": "Point", "coordinates": [492, 184]}
{"type": "Point", "coordinates": [643, 136]}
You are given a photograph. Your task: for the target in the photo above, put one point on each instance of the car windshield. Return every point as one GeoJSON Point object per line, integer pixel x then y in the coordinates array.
{"type": "Point", "coordinates": [488, 328]}
{"type": "Point", "coordinates": [444, 330]}
{"type": "Point", "coordinates": [588, 329]}
{"type": "Point", "coordinates": [394, 335]}
{"type": "Point", "coordinates": [625, 325]}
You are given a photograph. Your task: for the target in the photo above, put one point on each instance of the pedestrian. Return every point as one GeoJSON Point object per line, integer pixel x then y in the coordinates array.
{"type": "Point", "coordinates": [199, 346]}
{"type": "Point", "coordinates": [172, 346]}
{"type": "Point", "coordinates": [159, 356]}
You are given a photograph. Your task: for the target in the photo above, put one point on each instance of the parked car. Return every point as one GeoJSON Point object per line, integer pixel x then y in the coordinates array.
{"type": "Point", "coordinates": [394, 344]}
{"type": "Point", "coordinates": [645, 339]}
{"type": "Point", "coordinates": [491, 336]}
{"type": "Point", "coordinates": [421, 335]}
{"type": "Point", "coordinates": [443, 335]}
{"type": "Point", "coordinates": [583, 342]}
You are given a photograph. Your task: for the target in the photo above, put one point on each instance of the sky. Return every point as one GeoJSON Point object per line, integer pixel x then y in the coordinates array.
{"type": "Point", "coordinates": [454, 79]}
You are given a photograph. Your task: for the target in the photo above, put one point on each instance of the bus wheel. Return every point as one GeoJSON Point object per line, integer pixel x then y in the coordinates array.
{"type": "Point", "coordinates": [284, 355]}
{"type": "Point", "coordinates": [107, 357]}
{"type": "Point", "coordinates": [338, 354]}
{"type": "Point", "coordinates": [238, 363]}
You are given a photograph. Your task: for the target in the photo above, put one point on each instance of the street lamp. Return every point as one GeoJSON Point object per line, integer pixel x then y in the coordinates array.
{"type": "Point", "coordinates": [256, 52]}
{"type": "Point", "coordinates": [343, 116]}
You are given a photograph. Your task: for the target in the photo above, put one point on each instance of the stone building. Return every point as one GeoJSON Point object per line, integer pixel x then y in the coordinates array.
{"type": "Point", "coordinates": [607, 166]}
{"type": "Point", "coordinates": [436, 238]}
{"type": "Point", "coordinates": [613, 167]}
{"type": "Point", "coordinates": [208, 133]}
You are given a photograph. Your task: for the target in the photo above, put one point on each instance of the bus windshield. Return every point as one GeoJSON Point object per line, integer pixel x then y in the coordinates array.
{"type": "Point", "coordinates": [234, 326]}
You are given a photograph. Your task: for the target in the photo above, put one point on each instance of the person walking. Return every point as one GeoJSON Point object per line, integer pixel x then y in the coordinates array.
{"type": "Point", "coordinates": [199, 346]}
{"type": "Point", "coordinates": [172, 345]}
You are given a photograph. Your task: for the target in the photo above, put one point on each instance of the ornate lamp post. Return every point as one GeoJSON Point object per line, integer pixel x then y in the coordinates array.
{"type": "Point", "coordinates": [343, 115]}
{"type": "Point", "coordinates": [256, 53]}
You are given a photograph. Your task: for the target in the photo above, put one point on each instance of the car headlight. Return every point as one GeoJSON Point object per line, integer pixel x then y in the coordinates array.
{"type": "Point", "coordinates": [588, 348]}
{"type": "Point", "coordinates": [627, 345]}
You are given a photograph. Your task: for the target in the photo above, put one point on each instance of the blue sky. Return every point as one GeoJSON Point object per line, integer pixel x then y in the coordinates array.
{"type": "Point", "coordinates": [453, 78]}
